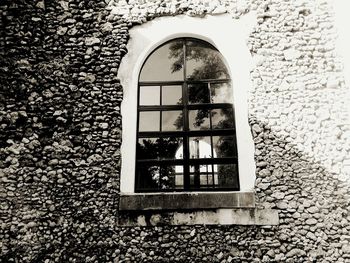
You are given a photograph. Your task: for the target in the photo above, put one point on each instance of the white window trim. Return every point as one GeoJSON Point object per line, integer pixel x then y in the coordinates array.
{"type": "Point", "coordinates": [229, 37]}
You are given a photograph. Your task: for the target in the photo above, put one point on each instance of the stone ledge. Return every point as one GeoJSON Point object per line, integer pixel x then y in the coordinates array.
{"type": "Point", "coordinates": [246, 216]}
{"type": "Point", "coordinates": [193, 200]}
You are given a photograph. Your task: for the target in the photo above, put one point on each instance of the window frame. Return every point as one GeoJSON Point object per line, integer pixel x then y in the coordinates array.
{"type": "Point", "coordinates": [237, 58]}
{"type": "Point", "coordinates": [186, 133]}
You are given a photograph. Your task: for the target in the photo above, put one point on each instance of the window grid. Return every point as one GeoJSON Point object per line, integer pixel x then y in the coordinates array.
{"type": "Point", "coordinates": [186, 134]}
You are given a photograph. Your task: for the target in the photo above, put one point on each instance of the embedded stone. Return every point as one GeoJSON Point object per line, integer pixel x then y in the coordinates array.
{"type": "Point", "coordinates": [282, 205]}
{"type": "Point", "coordinates": [64, 4]}
{"type": "Point", "coordinates": [92, 41]}
{"type": "Point", "coordinates": [295, 252]}
{"type": "Point", "coordinates": [311, 221]}
{"type": "Point", "coordinates": [62, 30]}
{"type": "Point", "coordinates": [291, 54]}
{"type": "Point", "coordinates": [155, 219]}
{"type": "Point", "coordinates": [219, 10]}
{"type": "Point", "coordinates": [104, 125]}
{"type": "Point", "coordinates": [44, 178]}
{"type": "Point", "coordinates": [264, 173]}
{"type": "Point", "coordinates": [256, 128]}
{"type": "Point", "coordinates": [346, 248]}
{"type": "Point", "coordinates": [40, 4]}
{"type": "Point", "coordinates": [107, 27]}
{"type": "Point", "coordinates": [193, 233]}
{"type": "Point", "coordinates": [70, 21]}
{"type": "Point", "coordinates": [278, 195]}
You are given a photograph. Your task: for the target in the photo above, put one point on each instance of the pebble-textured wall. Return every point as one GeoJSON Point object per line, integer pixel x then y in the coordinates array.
{"type": "Point", "coordinates": [61, 132]}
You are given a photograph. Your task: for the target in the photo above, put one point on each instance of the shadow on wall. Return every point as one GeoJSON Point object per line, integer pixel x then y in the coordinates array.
{"type": "Point", "coordinates": [313, 205]}
{"type": "Point", "coordinates": [313, 209]}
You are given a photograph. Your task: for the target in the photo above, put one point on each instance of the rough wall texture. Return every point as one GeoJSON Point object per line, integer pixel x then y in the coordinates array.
{"type": "Point", "coordinates": [61, 125]}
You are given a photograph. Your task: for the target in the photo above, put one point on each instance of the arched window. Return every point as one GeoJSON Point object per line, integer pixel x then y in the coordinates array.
{"type": "Point", "coordinates": [186, 138]}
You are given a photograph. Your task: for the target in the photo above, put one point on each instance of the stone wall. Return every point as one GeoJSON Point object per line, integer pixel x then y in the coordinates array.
{"type": "Point", "coordinates": [60, 136]}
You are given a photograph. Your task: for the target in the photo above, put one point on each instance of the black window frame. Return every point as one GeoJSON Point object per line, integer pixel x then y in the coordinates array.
{"type": "Point", "coordinates": [185, 134]}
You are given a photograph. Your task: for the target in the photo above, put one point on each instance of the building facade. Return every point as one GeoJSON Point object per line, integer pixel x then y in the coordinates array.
{"type": "Point", "coordinates": [70, 113]}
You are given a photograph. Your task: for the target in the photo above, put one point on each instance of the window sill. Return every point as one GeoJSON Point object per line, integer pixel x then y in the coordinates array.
{"type": "Point", "coordinates": [195, 208]}
{"type": "Point", "coordinates": [186, 200]}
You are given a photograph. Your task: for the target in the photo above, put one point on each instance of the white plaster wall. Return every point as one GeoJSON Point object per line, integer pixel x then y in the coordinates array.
{"type": "Point", "coordinates": [342, 21]}
{"type": "Point", "coordinates": [214, 29]}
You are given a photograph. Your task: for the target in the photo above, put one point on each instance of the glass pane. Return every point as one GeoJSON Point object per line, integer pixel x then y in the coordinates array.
{"type": "Point", "coordinates": [171, 148]}
{"type": "Point", "coordinates": [165, 63]}
{"type": "Point", "coordinates": [149, 95]}
{"type": "Point", "coordinates": [199, 119]}
{"type": "Point", "coordinates": [202, 175]}
{"type": "Point", "coordinates": [203, 168]}
{"type": "Point", "coordinates": [227, 175]}
{"type": "Point", "coordinates": [179, 180]}
{"type": "Point", "coordinates": [148, 148]}
{"type": "Point", "coordinates": [198, 93]}
{"type": "Point", "coordinates": [172, 120]}
{"type": "Point", "coordinates": [171, 177]}
{"type": "Point", "coordinates": [221, 93]}
{"type": "Point", "coordinates": [160, 148]}
{"type": "Point", "coordinates": [206, 179]}
{"type": "Point", "coordinates": [149, 121]}
{"type": "Point", "coordinates": [192, 179]}
{"type": "Point", "coordinates": [200, 147]}
{"type": "Point", "coordinates": [203, 61]}
{"type": "Point", "coordinates": [177, 177]}
{"type": "Point", "coordinates": [148, 177]}
{"type": "Point", "coordinates": [224, 146]}
{"type": "Point", "coordinates": [171, 95]}
{"type": "Point", "coordinates": [153, 177]}
{"type": "Point", "coordinates": [222, 118]}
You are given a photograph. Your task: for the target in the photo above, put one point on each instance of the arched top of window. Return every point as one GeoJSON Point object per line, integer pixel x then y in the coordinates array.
{"type": "Point", "coordinates": [184, 59]}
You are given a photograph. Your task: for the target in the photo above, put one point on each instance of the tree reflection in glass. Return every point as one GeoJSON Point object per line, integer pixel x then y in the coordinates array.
{"type": "Point", "coordinates": [172, 120]}
{"type": "Point", "coordinates": [171, 177]}
{"type": "Point", "coordinates": [221, 92]}
{"type": "Point", "coordinates": [224, 146]}
{"type": "Point", "coordinates": [160, 148]}
{"type": "Point", "coordinates": [149, 176]}
{"type": "Point", "coordinates": [226, 175]}
{"type": "Point", "coordinates": [165, 63]}
{"type": "Point", "coordinates": [172, 95]}
{"type": "Point", "coordinates": [161, 177]}
{"type": "Point", "coordinates": [222, 118]}
{"type": "Point", "coordinates": [198, 93]}
{"type": "Point", "coordinates": [199, 119]}
{"type": "Point", "coordinates": [204, 62]}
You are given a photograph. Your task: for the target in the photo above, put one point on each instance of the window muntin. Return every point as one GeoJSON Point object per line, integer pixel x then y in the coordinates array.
{"type": "Point", "coordinates": [186, 134]}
